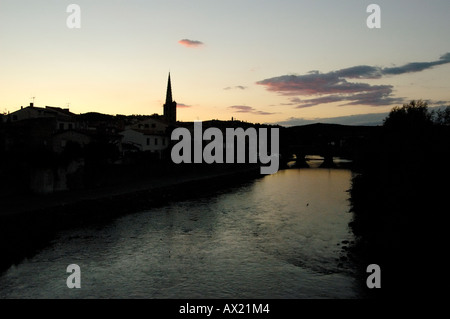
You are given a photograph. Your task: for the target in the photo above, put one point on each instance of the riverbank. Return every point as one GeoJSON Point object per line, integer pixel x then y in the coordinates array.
{"type": "Point", "coordinates": [29, 203]}
{"type": "Point", "coordinates": [29, 223]}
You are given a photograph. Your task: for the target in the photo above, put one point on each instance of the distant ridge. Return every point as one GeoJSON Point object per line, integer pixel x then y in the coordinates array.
{"type": "Point", "coordinates": [330, 128]}
{"type": "Point", "coordinates": [302, 134]}
{"type": "Point", "coordinates": [358, 120]}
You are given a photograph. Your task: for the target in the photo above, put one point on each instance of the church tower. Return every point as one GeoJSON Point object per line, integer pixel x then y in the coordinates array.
{"type": "Point", "coordinates": [170, 107]}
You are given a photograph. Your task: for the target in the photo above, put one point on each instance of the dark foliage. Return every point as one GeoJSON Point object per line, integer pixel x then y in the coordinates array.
{"type": "Point", "coordinates": [399, 199]}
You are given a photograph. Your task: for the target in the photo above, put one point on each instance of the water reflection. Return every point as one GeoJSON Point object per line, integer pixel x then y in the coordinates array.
{"type": "Point", "coordinates": [276, 237]}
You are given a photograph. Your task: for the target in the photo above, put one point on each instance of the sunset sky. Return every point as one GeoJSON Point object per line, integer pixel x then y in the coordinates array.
{"type": "Point", "coordinates": [281, 61]}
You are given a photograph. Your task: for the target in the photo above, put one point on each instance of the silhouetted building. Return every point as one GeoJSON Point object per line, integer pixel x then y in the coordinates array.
{"type": "Point", "coordinates": [152, 134]}
{"type": "Point", "coordinates": [64, 119]}
{"type": "Point", "coordinates": [144, 140]}
{"type": "Point", "coordinates": [61, 139]}
{"type": "Point", "coordinates": [153, 124]}
{"type": "Point", "coordinates": [170, 107]}
{"type": "Point", "coordinates": [101, 123]}
{"type": "Point", "coordinates": [28, 135]}
{"type": "Point", "coordinates": [148, 135]}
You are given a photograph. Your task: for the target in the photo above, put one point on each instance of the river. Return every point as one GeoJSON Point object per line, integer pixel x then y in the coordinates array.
{"type": "Point", "coordinates": [279, 236]}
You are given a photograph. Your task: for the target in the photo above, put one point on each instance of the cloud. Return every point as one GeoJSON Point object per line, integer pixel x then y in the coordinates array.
{"type": "Point", "coordinates": [371, 72]}
{"type": "Point", "coordinates": [438, 103]}
{"type": "Point", "coordinates": [330, 88]}
{"type": "Point", "coordinates": [239, 87]}
{"type": "Point", "coordinates": [417, 66]}
{"type": "Point", "coordinates": [248, 109]}
{"type": "Point", "coordinates": [190, 43]}
{"type": "Point", "coordinates": [181, 105]}
{"type": "Point", "coordinates": [378, 96]}
{"type": "Point", "coordinates": [334, 87]}
{"type": "Point", "coordinates": [242, 108]}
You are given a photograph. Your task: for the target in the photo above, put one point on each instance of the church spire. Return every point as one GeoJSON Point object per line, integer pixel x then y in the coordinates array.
{"type": "Point", "coordinates": [169, 91]}
{"type": "Point", "coordinates": [170, 107]}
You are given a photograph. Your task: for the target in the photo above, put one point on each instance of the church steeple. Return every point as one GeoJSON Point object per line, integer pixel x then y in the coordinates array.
{"type": "Point", "coordinates": [170, 107]}
{"type": "Point", "coordinates": [169, 91]}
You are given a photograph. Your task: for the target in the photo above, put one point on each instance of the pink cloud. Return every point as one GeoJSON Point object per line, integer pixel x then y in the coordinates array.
{"type": "Point", "coordinates": [248, 109]}
{"type": "Point", "coordinates": [335, 87]}
{"type": "Point", "coordinates": [190, 43]}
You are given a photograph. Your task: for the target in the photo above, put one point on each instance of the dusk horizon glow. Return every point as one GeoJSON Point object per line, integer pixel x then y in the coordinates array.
{"type": "Point", "coordinates": [270, 62]}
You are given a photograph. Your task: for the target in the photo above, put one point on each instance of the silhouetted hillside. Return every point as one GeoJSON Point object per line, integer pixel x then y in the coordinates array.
{"type": "Point", "coordinates": [322, 139]}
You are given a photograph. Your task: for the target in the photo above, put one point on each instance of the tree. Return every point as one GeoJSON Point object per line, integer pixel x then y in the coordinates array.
{"type": "Point", "coordinates": [442, 116]}
{"type": "Point", "coordinates": [410, 116]}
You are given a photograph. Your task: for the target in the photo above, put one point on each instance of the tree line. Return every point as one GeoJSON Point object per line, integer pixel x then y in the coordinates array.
{"type": "Point", "coordinates": [399, 198]}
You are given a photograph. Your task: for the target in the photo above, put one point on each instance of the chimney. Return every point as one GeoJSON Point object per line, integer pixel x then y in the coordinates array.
{"type": "Point", "coordinates": [31, 104]}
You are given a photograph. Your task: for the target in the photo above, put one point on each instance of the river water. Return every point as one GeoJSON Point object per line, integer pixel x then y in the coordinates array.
{"type": "Point", "coordinates": [279, 236]}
